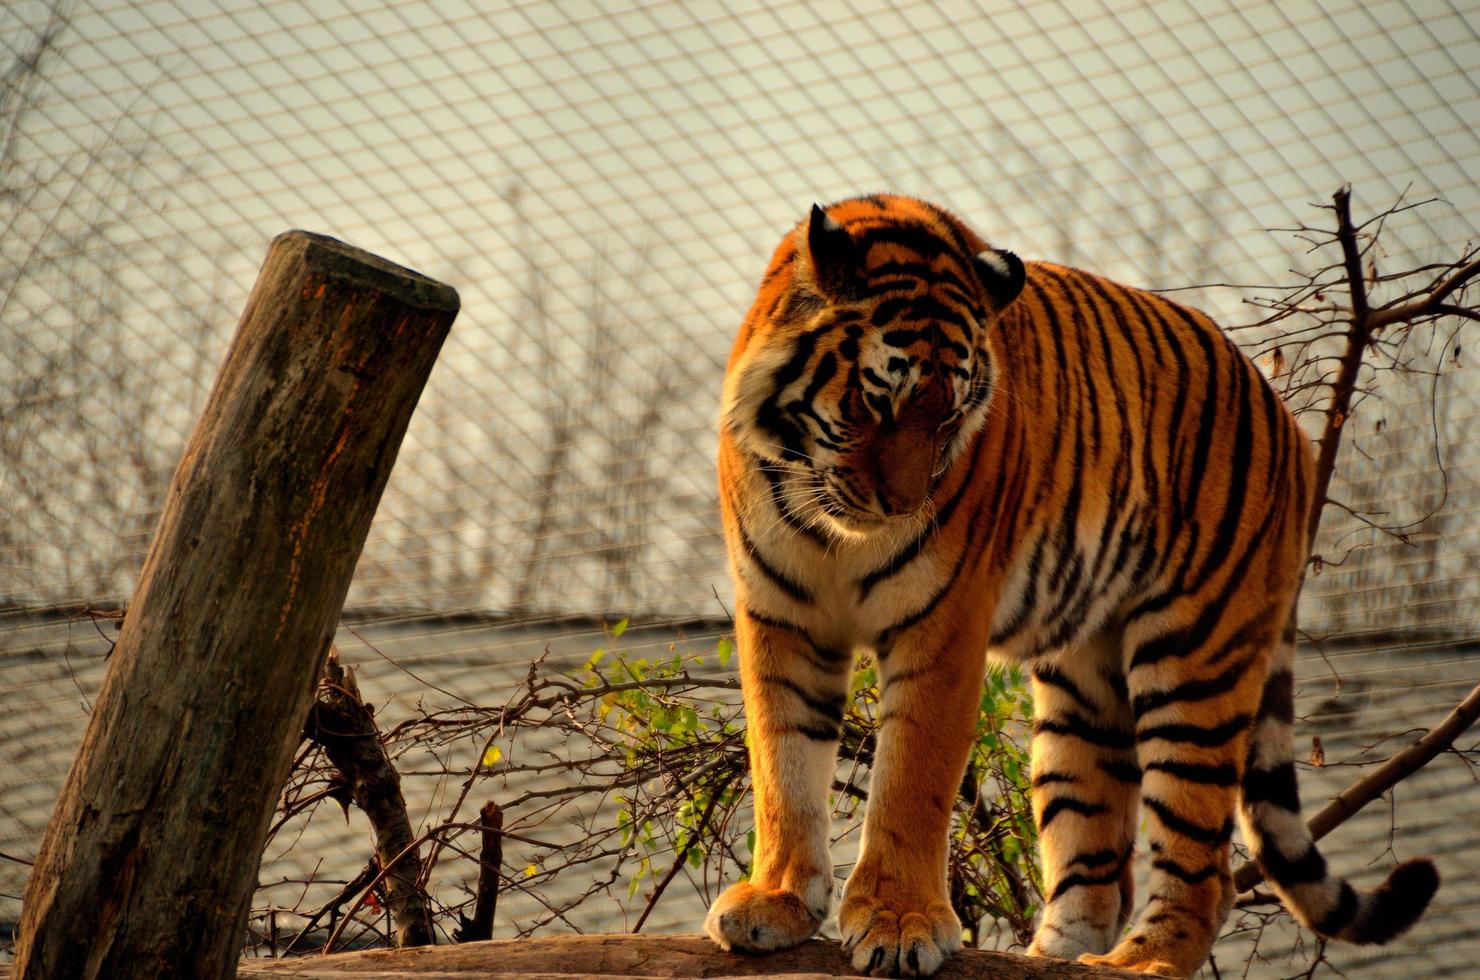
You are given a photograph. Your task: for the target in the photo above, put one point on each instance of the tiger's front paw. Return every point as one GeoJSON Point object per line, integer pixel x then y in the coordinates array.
{"type": "Point", "coordinates": [748, 919]}
{"type": "Point", "coordinates": [898, 939]}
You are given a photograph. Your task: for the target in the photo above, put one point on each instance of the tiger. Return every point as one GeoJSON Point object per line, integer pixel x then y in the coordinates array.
{"type": "Point", "coordinates": [935, 453]}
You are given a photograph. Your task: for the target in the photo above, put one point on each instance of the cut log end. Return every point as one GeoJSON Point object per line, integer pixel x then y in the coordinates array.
{"type": "Point", "coordinates": [341, 262]}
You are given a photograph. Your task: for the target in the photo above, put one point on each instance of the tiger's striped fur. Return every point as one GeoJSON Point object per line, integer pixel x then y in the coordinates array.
{"type": "Point", "coordinates": [933, 452]}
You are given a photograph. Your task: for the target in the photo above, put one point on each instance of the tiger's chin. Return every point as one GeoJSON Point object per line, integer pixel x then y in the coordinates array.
{"type": "Point", "coordinates": [851, 525]}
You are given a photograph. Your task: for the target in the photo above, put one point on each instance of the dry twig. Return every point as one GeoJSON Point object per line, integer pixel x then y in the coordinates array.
{"type": "Point", "coordinates": [344, 725]}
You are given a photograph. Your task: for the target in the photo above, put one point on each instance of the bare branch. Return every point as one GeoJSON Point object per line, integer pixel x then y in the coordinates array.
{"type": "Point", "coordinates": [1358, 336]}
{"type": "Point", "coordinates": [344, 725]}
{"type": "Point", "coordinates": [1431, 302]}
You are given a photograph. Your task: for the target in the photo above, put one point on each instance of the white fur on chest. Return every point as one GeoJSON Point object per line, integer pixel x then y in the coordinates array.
{"type": "Point", "coordinates": [850, 603]}
{"type": "Point", "coordinates": [844, 608]}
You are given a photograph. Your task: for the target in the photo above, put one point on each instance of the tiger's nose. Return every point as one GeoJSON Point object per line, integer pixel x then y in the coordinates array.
{"type": "Point", "coordinates": [894, 501]}
{"type": "Point", "coordinates": [904, 458]}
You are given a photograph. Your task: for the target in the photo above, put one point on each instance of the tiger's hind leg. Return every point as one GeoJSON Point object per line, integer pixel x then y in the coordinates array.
{"type": "Point", "coordinates": [1194, 690]}
{"type": "Point", "coordinates": [1085, 789]}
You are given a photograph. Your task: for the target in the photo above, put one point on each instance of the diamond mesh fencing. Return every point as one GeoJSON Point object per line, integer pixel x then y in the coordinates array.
{"type": "Point", "coordinates": [602, 182]}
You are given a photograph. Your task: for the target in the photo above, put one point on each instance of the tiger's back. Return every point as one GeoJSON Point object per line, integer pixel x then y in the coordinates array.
{"type": "Point", "coordinates": [931, 451]}
{"type": "Point", "coordinates": [1159, 467]}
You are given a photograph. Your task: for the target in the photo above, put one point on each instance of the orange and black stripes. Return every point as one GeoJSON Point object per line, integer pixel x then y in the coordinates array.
{"type": "Point", "coordinates": [929, 449]}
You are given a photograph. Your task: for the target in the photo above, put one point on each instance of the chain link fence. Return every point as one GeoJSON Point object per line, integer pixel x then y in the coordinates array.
{"type": "Point", "coordinates": [602, 183]}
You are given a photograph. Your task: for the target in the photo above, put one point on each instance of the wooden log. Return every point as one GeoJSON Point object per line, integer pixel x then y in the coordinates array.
{"type": "Point", "coordinates": [638, 955]}
{"type": "Point", "coordinates": [148, 865]}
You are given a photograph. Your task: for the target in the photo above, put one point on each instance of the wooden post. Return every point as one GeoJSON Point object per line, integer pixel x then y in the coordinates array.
{"type": "Point", "coordinates": [490, 861]}
{"type": "Point", "coordinates": [149, 863]}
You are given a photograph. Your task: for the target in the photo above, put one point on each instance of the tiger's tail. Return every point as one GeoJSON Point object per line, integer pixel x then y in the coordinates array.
{"type": "Point", "coordinates": [1269, 811]}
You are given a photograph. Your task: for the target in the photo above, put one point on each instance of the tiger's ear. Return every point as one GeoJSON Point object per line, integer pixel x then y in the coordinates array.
{"type": "Point", "coordinates": [834, 257]}
{"type": "Point", "coordinates": [1001, 272]}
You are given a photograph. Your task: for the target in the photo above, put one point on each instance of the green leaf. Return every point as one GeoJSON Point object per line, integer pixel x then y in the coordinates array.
{"type": "Point", "coordinates": [725, 648]}
{"type": "Point", "coordinates": [619, 629]}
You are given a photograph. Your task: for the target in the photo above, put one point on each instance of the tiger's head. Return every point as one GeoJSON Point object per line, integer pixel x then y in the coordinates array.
{"type": "Point", "coordinates": [864, 369]}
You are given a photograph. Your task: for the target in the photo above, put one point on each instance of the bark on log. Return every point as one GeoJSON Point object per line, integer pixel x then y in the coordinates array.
{"type": "Point", "coordinates": [149, 861]}
{"type": "Point", "coordinates": [344, 725]}
{"type": "Point", "coordinates": [638, 956]}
